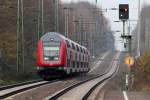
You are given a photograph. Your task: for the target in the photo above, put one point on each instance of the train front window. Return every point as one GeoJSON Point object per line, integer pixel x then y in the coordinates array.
{"type": "Point", "coordinates": [51, 51]}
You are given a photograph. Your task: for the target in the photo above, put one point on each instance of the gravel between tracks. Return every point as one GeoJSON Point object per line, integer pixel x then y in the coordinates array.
{"type": "Point", "coordinates": [46, 90]}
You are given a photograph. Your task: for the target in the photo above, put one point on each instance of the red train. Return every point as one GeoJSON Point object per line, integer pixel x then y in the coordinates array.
{"type": "Point", "coordinates": [58, 56]}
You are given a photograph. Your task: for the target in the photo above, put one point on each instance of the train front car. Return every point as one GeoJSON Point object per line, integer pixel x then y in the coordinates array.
{"type": "Point", "coordinates": [51, 57]}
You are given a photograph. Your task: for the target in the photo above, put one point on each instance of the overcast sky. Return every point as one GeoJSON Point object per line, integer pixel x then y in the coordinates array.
{"type": "Point", "coordinates": [113, 15]}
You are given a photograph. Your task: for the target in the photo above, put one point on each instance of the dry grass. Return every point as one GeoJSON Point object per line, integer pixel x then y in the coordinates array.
{"type": "Point", "coordinates": [142, 73]}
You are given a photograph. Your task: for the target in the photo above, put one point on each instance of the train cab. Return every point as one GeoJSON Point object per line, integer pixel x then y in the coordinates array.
{"type": "Point", "coordinates": [58, 55]}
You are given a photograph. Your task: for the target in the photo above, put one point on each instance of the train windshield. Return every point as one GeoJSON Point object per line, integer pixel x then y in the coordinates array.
{"type": "Point", "coordinates": [51, 51]}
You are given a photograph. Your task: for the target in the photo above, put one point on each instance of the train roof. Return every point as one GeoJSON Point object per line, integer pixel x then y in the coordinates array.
{"type": "Point", "coordinates": [46, 36]}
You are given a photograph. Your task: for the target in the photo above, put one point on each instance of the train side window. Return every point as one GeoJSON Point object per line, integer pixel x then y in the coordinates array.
{"type": "Point", "coordinates": [73, 62]}
{"type": "Point", "coordinates": [73, 46]}
{"type": "Point", "coordinates": [86, 58]}
{"type": "Point", "coordinates": [79, 56]}
{"type": "Point", "coordinates": [84, 64]}
{"type": "Point", "coordinates": [68, 44]}
{"type": "Point", "coordinates": [81, 49]}
{"type": "Point", "coordinates": [78, 64]}
{"type": "Point", "coordinates": [68, 63]}
{"type": "Point", "coordinates": [84, 51]}
{"type": "Point", "coordinates": [77, 47]}
{"type": "Point", "coordinates": [83, 57]}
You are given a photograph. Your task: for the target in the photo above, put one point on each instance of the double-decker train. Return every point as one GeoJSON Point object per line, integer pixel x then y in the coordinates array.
{"type": "Point", "coordinates": [58, 56]}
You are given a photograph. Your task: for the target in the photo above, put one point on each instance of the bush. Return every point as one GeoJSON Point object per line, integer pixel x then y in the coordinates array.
{"type": "Point", "coordinates": [142, 72]}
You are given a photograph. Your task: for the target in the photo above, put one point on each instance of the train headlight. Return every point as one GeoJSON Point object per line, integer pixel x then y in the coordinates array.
{"type": "Point", "coordinates": [45, 58]}
{"type": "Point", "coordinates": [39, 68]}
{"type": "Point", "coordinates": [56, 58]}
{"type": "Point", "coordinates": [60, 68]}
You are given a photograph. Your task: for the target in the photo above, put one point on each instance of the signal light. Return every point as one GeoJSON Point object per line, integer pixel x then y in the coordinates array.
{"type": "Point", "coordinates": [123, 11]}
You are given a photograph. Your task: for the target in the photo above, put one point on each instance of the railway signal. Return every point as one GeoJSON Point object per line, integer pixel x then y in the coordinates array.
{"type": "Point", "coordinates": [123, 11]}
{"type": "Point", "coordinates": [129, 61]}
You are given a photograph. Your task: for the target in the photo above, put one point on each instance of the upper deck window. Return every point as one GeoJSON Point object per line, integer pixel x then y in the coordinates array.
{"type": "Point", "coordinates": [77, 47]}
{"type": "Point", "coordinates": [73, 46]}
{"type": "Point", "coordinates": [68, 44]}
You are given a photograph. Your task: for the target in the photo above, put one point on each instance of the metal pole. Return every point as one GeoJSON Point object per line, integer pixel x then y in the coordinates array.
{"type": "Point", "coordinates": [129, 29]}
{"type": "Point", "coordinates": [76, 30]}
{"type": "Point", "coordinates": [39, 17]}
{"type": "Point", "coordinates": [67, 21]}
{"type": "Point", "coordinates": [123, 27]}
{"type": "Point", "coordinates": [148, 37]}
{"type": "Point", "coordinates": [18, 31]}
{"type": "Point", "coordinates": [77, 27]}
{"type": "Point", "coordinates": [93, 45]}
{"type": "Point", "coordinates": [82, 31]}
{"type": "Point", "coordinates": [139, 29]}
{"type": "Point", "coordinates": [42, 17]}
{"type": "Point", "coordinates": [56, 16]}
{"type": "Point", "coordinates": [130, 43]}
{"type": "Point", "coordinates": [96, 24]}
{"type": "Point", "coordinates": [80, 27]}
{"type": "Point", "coordinates": [57, 12]}
{"type": "Point", "coordinates": [92, 40]}
{"type": "Point", "coordinates": [130, 40]}
{"type": "Point", "coordinates": [22, 28]}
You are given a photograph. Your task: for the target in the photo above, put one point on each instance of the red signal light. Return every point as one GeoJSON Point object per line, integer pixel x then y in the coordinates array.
{"type": "Point", "coordinates": [126, 9]}
{"type": "Point", "coordinates": [123, 11]}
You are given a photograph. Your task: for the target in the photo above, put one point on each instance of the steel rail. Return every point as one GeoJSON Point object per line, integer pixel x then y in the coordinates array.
{"type": "Point", "coordinates": [86, 96]}
{"type": "Point", "coordinates": [19, 84]}
{"type": "Point", "coordinates": [22, 87]}
{"type": "Point", "coordinates": [67, 89]}
{"type": "Point", "coordinates": [60, 93]}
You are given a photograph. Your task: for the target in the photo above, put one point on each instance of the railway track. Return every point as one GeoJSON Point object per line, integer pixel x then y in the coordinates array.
{"type": "Point", "coordinates": [10, 90]}
{"type": "Point", "coordinates": [19, 84]}
{"type": "Point", "coordinates": [82, 90]}
{"type": "Point", "coordinates": [65, 90]}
